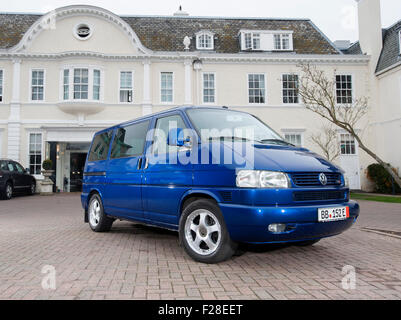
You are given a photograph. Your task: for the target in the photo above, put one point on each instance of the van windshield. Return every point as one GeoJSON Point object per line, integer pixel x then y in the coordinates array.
{"type": "Point", "coordinates": [226, 124]}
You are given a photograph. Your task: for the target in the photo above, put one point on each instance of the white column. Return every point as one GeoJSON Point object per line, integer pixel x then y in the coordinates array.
{"type": "Point", "coordinates": [147, 101]}
{"type": "Point", "coordinates": [188, 82]}
{"type": "Point", "coordinates": [14, 121]}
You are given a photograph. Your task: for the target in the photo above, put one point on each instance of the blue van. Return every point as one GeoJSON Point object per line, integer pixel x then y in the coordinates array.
{"type": "Point", "coordinates": [193, 170]}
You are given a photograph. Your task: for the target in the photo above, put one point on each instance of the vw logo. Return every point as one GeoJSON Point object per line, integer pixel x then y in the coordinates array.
{"type": "Point", "coordinates": [323, 179]}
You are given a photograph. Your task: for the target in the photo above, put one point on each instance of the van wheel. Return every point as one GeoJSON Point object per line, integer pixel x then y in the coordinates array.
{"type": "Point", "coordinates": [203, 233]}
{"type": "Point", "coordinates": [7, 192]}
{"type": "Point", "coordinates": [98, 221]}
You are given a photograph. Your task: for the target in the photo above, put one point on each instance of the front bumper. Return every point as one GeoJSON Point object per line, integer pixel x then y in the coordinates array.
{"type": "Point", "coordinates": [250, 223]}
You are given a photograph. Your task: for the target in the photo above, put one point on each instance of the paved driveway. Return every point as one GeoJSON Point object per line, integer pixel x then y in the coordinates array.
{"type": "Point", "coordinates": [132, 261]}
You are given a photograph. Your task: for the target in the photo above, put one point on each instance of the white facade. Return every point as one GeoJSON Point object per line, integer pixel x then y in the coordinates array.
{"type": "Point", "coordinates": [160, 80]}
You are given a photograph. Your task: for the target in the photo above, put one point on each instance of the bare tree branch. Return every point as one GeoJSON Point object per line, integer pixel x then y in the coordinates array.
{"type": "Point", "coordinates": [327, 141]}
{"type": "Point", "coordinates": [318, 92]}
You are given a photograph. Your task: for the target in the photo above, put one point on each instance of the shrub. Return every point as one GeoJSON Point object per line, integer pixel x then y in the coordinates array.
{"type": "Point", "coordinates": [47, 164]}
{"type": "Point", "coordinates": [382, 179]}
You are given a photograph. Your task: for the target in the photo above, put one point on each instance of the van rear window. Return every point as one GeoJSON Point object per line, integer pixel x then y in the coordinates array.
{"type": "Point", "coordinates": [100, 146]}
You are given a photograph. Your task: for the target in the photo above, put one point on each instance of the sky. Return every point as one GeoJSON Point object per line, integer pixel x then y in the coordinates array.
{"type": "Point", "coordinates": [336, 18]}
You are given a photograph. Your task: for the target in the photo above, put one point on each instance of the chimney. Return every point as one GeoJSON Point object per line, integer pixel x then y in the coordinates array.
{"type": "Point", "coordinates": [181, 13]}
{"type": "Point", "coordinates": [370, 28]}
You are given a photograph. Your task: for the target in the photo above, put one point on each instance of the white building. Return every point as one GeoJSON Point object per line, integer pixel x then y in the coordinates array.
{"type": "Point", "coordinates": [75, 70]}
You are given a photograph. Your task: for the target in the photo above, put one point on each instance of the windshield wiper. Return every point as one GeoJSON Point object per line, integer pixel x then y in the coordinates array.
{"type": "Point", "coordinates": [277, 141]}
{"type": "Point", "coordinates": [231, 138]}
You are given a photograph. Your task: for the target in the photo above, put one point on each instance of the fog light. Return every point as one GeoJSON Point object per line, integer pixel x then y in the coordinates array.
{"type": "Point", "coordinates": [277, 227]}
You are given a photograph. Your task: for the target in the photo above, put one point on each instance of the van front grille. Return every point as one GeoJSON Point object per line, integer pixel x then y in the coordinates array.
{"type": "Point", "coordinates": [311, 179]}
{"type": "Point", "coordinates": [320, 195]}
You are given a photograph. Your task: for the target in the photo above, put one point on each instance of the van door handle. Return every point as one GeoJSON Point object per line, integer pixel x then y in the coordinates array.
{"type": "Point", "coordinates": [139, 163]}
{"type": "Point", "coordinates": [146, 164]}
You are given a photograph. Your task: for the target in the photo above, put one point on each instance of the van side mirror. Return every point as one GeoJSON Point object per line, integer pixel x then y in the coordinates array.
{"type": "Point", "coordinates": [176, 137]}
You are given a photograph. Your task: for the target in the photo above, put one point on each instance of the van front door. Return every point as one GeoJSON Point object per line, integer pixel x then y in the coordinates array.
{"type": "Point", "coordinates": [166, 178]}
{"type": "Point", "coordinates": [123, 195]}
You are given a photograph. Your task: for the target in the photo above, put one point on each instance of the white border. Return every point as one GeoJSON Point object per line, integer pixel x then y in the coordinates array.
{"type": "Point", "coordinates": [265, 104]}
{"type": "Point", "coordinates": [132, 83]}
{"type": "Point", "coordinates": [30, 85]}
{"type": "Point", "coordinates": [300, 103]}
{"type": "Point", "coordinates": [75, 31]}
{"type": "Point", "coordinates": [160, 88]}
{"type": "Point", "coordinates": [215, 89]}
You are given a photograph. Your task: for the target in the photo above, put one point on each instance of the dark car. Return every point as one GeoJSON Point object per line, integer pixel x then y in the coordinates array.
{"type": "Point", "coordinates": [15, 179]}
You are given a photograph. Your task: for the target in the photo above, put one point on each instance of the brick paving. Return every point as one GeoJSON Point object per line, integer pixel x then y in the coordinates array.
{"type": "Point", "coordinates": [138, 262]}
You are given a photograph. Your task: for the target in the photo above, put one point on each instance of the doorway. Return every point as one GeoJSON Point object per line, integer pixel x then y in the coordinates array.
{"type": "Point", "coordinates": [349, 160]}
{"type": "Point", "coordinates": [77, 164]}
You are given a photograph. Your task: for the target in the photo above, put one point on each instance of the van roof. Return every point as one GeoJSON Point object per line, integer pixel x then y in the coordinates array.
{"type": "Point", "coordinates": [158, 114]}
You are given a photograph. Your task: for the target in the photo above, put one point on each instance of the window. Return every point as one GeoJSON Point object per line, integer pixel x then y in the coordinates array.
{"type": "Point", "coordinates": [35, 153]}
{"type": "Point", "coordinates": [1, 85]}
{"type": "Point", "coordinates": [204, 40]}
{"type": "Point", "coordinates": [81, 81]}
{"type": "Point", "coordinates": [18, 167]}
{"type": "Point", "coordinates": [96, 84]}
{"type": "Point", "coordinates": [37, 85]}
{"type": "Point", "coordinates": [347, 144]}
{"type": "Point", "coordinates": [344, 89]}
{"type": "Point", "coordinates": [66, 84]}
{"type": "Point", "coordinates": [290, 88]}
{"type": "Point", "coordinates": [85, 84]}
{"type": "Point", "coordinates": [130, 140]}
{"type": "Point", "coordinates": [252, 41]}
{"type": "Point", "coordinates": [399, 41]}
{"type": "Point", "coordinates": [282, 42]}
{"type": "Point", "coordinates": [126, 86]}
{"type": "Point", "coordinates": [166, 85]}
{"type": "Point", "coordinates": [256, 88]}
{"type": "Point", "coordinates": [100, 146]}
{"type": "Point", "coordinates": [163, 126]}
{"type": "Point", "coordinates": [294, 138]}
{"type": "Point", "coordinates": [209, 90]}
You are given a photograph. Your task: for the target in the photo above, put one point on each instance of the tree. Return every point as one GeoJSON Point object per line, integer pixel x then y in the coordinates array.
{"type": "Point", "coordinates": [318, 92]}
{"type": "Point", "coordinates": [327, 141]}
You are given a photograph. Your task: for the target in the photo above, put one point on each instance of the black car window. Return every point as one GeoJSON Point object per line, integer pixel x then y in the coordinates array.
{"type": "Point", "coordinates": [10, 167]}
{"type": "Point", "coordinates": [3, 166]}
{"type": "Point", "coordinates": [100, 146]}
{"type": "Point", "coordinates": [19, 168]}
{"type": "Point", "coordinates": [130, 140]}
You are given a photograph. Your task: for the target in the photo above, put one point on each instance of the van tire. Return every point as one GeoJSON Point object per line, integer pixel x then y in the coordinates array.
{"type": "Point", "coordinates": [192, 213]}
{"type": "Point", "coordinates": [98, 221]}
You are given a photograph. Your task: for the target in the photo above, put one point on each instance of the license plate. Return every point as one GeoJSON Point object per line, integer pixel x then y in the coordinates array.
{"type": "Point", "coordinates": [333, 214]}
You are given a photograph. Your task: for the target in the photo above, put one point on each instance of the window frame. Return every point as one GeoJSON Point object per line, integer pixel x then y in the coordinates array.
{"type": "Point", "coordinates": [172, 88]}
{"type": "Point", "coordinates": [253, 35]}
{"type": "Point", "coordinates": [352, 87]}
{"type": "Point", "coordinates": [356, 146]}
{"type": "Point", "coordinates": [215, 89]}
{"type": "Point", "coordinates": [154, 127]}
{"type": "Point", "coordinates": [282, 90]}
{"type": "Point", "coordinates": [295, 131]}
{"type": "Point", "coordinates": [2, 86]}
{"type": "Point", "coordinates": [42, 151]}
{"type": "Point", "coordinates": [31, 85]}
{"type": "Point", "coordinates": [132, 86]}
{"type": "Point", "coordinates": [281, 34]}
{"type": "Point", "coordinates": [265, 88]}
{"type": "Point", "coordinates": [204, 33]}
{"type": "Point", "coordinates": [115, 136]}
{"type": "Point", "coordinates": [91, 69]}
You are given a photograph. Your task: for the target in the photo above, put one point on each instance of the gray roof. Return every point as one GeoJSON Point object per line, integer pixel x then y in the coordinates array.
{"type": "Point", "coordinates": [390, 54]}
{"type": "Point", "coordinates": [166, 33]}
{"type": "Point", "coordinates": [354, 48]}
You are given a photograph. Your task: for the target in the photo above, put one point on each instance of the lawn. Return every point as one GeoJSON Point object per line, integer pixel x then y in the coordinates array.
{"type": "Point", "coordinates": [379, 198]}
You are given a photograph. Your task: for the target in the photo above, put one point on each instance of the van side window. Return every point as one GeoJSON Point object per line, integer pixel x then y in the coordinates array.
{"type": "Point", "coordinates": [100, 146]}
{"type": "Point", "coordinates": [163, 125]}
{"type": "Point", "coordinates": [130, 140]}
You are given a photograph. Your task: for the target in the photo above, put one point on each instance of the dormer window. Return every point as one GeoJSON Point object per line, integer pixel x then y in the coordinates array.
{"type": "Point", "coordinates": [204, 40]}
{"type": "Point", "coordinates": [266, 40]}
{"type": "Point", "coordinates": [281, 42]}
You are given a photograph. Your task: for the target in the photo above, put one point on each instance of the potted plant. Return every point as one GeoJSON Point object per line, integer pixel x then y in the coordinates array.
{"type": "Point", "coordinates": [46, 183]}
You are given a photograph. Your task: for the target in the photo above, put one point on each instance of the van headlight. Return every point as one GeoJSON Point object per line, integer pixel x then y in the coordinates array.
{"type": "Point", "coordinates": [262, 179]}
